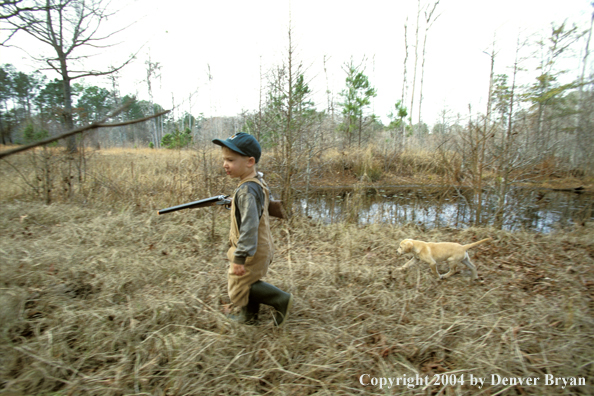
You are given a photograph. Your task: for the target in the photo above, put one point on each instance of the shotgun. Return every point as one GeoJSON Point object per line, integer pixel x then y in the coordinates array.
{"type": "Point", "coordinates": [203, 203]}
{"type": "Point", "coordinates": [275, 207]}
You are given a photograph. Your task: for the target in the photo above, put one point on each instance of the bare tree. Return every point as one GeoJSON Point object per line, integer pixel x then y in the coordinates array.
{"type": "Point", "coordinates": [289, 117]}
{"type": "Point", "coordinates": [507, 157]}
{"type": "Point", "coordinates": [582, 143]}
{"type": "Point", "coordinates": [473, 146]}
{"type": "Point", "coordinates": [404, 82]}
{"type": "Point", "coordinates": [412, 95]}
{"type": "Point", "coordinates": [479, 139]}
{"type": "Point", "coordinates": [153, 71]}
{"type": "Point", "coordinates": [10, 9]}
{"type": "Point", "coordinates": [329, 95]}
{"type": "Point", "coordinates": [429, 20]}
{"type": "Point", "coordinates": [66, 26]}
{"type": "Point", "coordinates": [259, 123]}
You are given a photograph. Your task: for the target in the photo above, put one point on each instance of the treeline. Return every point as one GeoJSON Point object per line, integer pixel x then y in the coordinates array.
{"type": "Point", "coordinates": [535, 112]}
{"type": "Point", "coordinates": [547, 118]}
{"type": "Point", "coordinates": [537, 122]}
{"type": "Point", "coordinates": [32, 108]}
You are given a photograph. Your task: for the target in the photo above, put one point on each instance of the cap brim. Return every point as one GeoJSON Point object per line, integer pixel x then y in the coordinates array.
{"type": "Point", "coordinates": [229, 145]}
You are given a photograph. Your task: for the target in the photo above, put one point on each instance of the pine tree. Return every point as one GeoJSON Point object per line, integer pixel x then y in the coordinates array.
{"type": "Point", "coordinates": [356, 98]}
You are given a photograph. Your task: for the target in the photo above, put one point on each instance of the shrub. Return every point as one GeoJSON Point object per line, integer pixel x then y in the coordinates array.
{"type": "Point", "coordinates": [32, 134]}
{"type": "Point", "coordinates": [368, 167]}
{"type": "Point", "coordinates": [177, 139]}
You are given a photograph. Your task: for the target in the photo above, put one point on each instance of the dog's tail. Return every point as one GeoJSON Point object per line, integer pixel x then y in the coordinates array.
{"type": "Point", "coordinates": [471, 245]}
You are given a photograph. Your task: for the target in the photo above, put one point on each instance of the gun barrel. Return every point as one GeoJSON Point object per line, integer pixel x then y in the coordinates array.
{"type": "Point", "coordinates": [217, 200]}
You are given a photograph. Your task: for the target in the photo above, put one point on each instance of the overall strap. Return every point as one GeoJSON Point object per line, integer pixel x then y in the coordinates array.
{"type": "Point", "coordinates": [262, 183]}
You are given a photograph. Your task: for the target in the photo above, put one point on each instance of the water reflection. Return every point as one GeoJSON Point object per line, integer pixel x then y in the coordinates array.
{"type": "Point", "coordinates": [530, 209]}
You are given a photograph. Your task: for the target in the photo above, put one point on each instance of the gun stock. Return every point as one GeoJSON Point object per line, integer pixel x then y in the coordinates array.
{"type": "Point", "coordinates": [203, 203]}
{"type": "Point", "coordinates": [276, 209]}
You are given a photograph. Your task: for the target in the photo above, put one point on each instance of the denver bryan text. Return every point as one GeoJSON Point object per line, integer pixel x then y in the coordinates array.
{"type": "Point", "coordinates": [549, 380]}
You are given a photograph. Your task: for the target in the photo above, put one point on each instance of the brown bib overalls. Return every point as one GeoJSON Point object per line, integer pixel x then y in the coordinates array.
{"type": "Point", "coordinates": [256, 266]}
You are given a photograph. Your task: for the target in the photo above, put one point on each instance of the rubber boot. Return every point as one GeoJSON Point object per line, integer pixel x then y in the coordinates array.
{"type": "Point", "coordinates": [247, 315]}
{"type": "Point", "coordinates": [251, 312]}
{"type": "Point", "coordinates": [265, 293]}
{"type": "Point", "coordinates": [238, 317]}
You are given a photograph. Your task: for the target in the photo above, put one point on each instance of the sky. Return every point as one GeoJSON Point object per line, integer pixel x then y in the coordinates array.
{"type": "Point", "coordinates": [237, 42]}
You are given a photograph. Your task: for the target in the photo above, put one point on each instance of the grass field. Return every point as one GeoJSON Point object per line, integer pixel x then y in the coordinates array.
{"type": "Point", "coordinates": [101, 296]}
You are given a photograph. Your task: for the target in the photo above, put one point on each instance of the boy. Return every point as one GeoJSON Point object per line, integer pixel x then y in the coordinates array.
{"type": "Point", "coordinates": [251, 246]}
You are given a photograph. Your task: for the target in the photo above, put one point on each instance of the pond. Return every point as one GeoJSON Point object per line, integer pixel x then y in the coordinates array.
{"type": "Point", "coordinates": [541, 210]}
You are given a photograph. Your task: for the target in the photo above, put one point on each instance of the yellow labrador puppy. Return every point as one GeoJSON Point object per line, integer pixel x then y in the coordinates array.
{"type": "Point", "coordinates": [433, 253]}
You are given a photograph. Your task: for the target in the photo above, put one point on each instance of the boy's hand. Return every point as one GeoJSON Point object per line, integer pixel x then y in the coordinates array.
{"type": "Point", "coordinates": [238, 269]}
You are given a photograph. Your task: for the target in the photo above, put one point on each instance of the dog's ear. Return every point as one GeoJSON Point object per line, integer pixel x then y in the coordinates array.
{"type": "Point", "coordinates": [409, 246]}
{"type": "Point", "coordinates": [406, 245]}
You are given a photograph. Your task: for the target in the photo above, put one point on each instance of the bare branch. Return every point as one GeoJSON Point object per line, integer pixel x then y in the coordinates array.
{"type": "Point", "coordinates": [124, 123]}
{"type": "Point", "coordinates": [11, 9]}
{"type": "Point", "coordinates": [105, 73]}
{"type": "Point", "coordinates": [95, 125]}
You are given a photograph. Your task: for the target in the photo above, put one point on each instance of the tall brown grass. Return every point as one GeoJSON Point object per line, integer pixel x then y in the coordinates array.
{"type": "Point", "coordinates": [101, 296]}
{"type": "Point", "coordinates": [375, 165]}
{"type": "Point", "coordinates": [126, 178]}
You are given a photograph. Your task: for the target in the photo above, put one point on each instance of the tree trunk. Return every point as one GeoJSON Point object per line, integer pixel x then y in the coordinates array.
{"type": "Point", "coordinates": [428, 23]}
{"type": "Point", "coordinates": [505, 162]}
{"type": "Point", "coordinates": [482, 145]}
{"type": "Point", "coordinates": [360, 128]}
{"type": "Point", "coordinates": [68, 119]}
{"type": "Point", "coordinates": [287, 189]}
{"type": "Point", "coordinates": [581, 144]}
{"type": "Point", "coordinates": [259, 126]}
{"type": "Point", "coordinates": [412, 95]}
{"type": "Point", "coordinates": [402, 100]}
{"type": "Point", "coordinates": [422, 77]}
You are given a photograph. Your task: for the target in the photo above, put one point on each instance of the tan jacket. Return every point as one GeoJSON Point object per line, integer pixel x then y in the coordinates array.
{"type": "Point", "coordinates": [256, 266]}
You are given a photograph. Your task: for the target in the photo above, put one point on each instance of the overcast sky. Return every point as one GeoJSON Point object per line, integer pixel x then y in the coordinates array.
{"type": "Point", "coordinates": [238, 38]}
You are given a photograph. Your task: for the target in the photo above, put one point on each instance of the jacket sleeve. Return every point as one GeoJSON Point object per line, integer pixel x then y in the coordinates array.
{"type": "Point", "coordinates": [248, 230]}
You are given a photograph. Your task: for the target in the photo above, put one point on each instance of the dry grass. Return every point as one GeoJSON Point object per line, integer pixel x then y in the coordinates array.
{"type": "Point", "coordinates": [379, 164]}
{"type": "Point", "coordinates": [107, 298]}
{"type": "Point", "coordinates": [141, 179]}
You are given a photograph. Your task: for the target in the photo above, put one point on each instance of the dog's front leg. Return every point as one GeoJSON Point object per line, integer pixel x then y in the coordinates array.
{"type": "Point", "coordinates": [407, 265]}
{"type": "Point", "coordinates": [433, 266]}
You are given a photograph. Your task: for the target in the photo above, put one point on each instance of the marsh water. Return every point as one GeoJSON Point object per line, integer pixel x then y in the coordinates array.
{"type": "Point", "coordinates": [540, 210]}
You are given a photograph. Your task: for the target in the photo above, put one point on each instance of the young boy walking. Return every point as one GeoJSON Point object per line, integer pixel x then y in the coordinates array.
{"type": "Point", "coordinates": [251, 246]}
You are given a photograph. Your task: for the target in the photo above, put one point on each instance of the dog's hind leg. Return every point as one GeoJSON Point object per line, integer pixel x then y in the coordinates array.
{"type": "Point", "coordinates": [433, 266]}
{"type": "Point", "coordinates": [466, 261]}
{"type": "Point", "coordinates": [453, 269]}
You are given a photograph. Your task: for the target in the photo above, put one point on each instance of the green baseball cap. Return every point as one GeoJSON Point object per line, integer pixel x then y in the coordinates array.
{"type": "Point", "coordinates": [242, 143]}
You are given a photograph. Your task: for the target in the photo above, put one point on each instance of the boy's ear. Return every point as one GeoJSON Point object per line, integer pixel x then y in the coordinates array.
{"type": "Point", "coordinates": [251, 161]}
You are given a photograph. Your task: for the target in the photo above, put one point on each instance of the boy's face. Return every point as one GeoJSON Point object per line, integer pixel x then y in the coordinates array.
{"type": "Point", "coordinates": [237, 165]}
